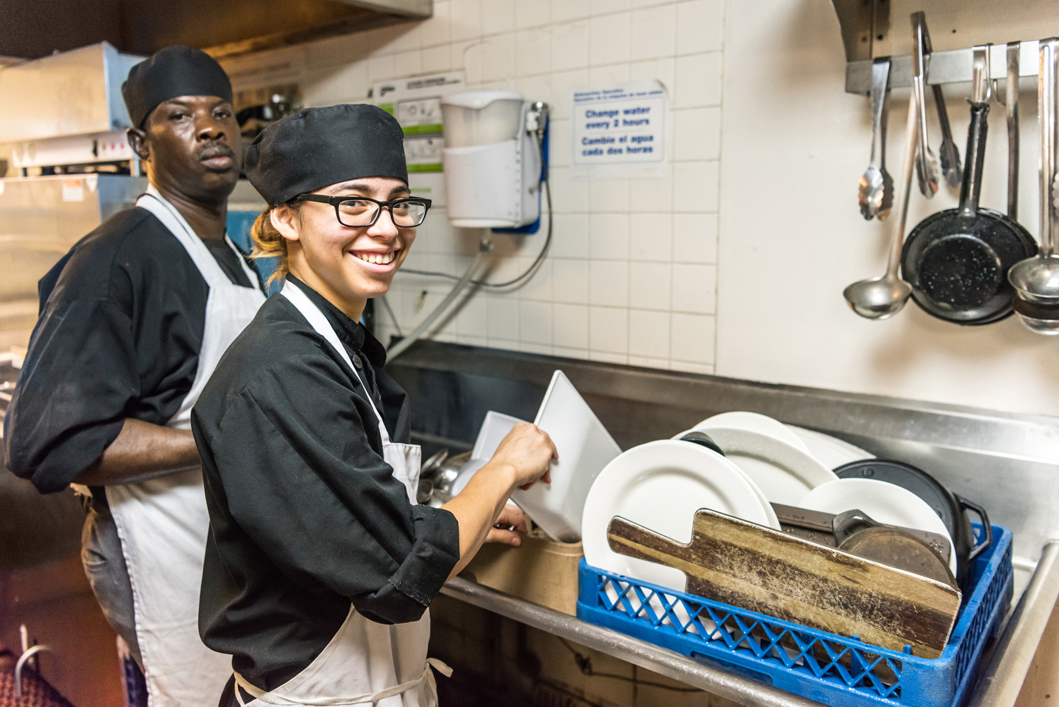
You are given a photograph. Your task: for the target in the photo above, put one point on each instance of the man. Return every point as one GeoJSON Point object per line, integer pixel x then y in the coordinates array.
{"type": "Point", "coordinates": [133, 321]}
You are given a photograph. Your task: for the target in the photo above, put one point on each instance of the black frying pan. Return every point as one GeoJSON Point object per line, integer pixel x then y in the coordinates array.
{"type": "Point", "coordinates": [957, 260]}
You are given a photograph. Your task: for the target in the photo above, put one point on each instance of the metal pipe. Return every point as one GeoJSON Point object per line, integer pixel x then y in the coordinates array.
{"type": "Point", "coordinates": [424, 326]}
{"type": "Point", "coordinates": [1003, 675]}
{"type": "Point", "coordinates": [25, 657]}
{"type": "Point", "coordinates": [646, 655]}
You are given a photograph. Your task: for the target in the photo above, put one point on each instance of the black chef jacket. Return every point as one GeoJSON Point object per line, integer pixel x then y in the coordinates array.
{"type": "Point", "coordinates": [120, 329]}
{"type": "Point", "coordinates": [305, 515]}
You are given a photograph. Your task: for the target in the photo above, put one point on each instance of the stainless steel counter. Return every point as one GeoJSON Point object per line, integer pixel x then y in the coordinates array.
{"type": "Point", "coordinates": [646, 655]}
{"type": "Point", "coordinates": [1007, 462]}
{"type": "Point", "coordinates": [1001, 675]}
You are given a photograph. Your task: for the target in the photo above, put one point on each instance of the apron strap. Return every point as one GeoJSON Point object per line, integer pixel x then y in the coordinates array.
{"type": "Point", "coordinates": [175, 222]}
{"type": "Point", "coordinates": [319, 322]}
{"type": "Point", "coordinates": [262, 696]}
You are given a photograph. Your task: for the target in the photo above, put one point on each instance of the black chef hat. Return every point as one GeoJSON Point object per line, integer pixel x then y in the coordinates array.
{"type": "Point", "coordinates": [317, 147]}
{"type": "Point", "coordinates": [169, 73]}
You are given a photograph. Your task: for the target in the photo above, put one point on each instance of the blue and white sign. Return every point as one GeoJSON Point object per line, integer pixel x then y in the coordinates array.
{"type": "Point", "coordinates": [620, 132]}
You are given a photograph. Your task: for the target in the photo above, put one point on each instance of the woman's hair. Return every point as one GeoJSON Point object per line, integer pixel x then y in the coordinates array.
{"type": "Point", "coordinates": [270, 243]}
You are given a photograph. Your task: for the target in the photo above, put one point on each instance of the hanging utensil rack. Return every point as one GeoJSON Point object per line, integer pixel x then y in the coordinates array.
{"type": "Point", "coordinates": [955, 66]}
{"type": "Point", "coordinates": [875, 29]}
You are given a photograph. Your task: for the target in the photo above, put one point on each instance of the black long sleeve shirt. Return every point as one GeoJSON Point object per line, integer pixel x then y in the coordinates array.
{"type": "Point", "coordinates": [306, 517]}
{"type": "Point", "coordinates": [120, 328]}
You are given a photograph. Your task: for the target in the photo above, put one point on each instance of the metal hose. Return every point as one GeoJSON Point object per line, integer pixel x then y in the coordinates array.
{"type": "Point", "coordinates": [424, 326]}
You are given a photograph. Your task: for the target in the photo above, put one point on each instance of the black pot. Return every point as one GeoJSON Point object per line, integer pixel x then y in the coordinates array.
{"type": "Point", "coordinates": [952, 509]}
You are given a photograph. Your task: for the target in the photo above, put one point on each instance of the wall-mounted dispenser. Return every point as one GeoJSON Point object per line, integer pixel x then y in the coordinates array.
{"type": "Point", "coordinates": [492, 159]}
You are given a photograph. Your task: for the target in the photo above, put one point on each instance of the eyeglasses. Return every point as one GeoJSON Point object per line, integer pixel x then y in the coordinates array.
{"type": "Point", "coordinates": [361, 212]}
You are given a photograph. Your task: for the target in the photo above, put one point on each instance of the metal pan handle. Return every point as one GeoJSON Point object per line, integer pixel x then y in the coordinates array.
{"type": "Point", "coordinates": [984, 517]}
{"type": "Point", "coordinates": [976, 136]}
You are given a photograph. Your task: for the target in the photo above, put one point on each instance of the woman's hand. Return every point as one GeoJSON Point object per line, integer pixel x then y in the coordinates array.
{"type": "Point", "coordinates": [524, 456]}
{"type": "Point", "coordinates": [509, 524]}
{"type": "Point", "coordinates": [527, 451]}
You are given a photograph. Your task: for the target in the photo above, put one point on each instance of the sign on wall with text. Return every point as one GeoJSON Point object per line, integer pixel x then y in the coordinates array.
{"type": "Point", "coordinates": [620, 131]}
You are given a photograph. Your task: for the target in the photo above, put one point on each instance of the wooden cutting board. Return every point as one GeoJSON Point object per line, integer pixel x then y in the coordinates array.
{"type": "Point", "coordinates": [763, 570]}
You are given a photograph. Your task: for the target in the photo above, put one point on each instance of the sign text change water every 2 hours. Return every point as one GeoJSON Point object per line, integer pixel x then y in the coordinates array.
{"type": "Point", "coordinates": [620, 131]}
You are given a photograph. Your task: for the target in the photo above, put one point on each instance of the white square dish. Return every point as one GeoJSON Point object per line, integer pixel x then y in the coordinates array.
{"type": "Point", "coordinates": [584, 447]}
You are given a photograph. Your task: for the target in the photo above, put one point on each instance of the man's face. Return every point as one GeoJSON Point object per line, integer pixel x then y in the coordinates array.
{"type": "Point", "coordinates": [193, 147]}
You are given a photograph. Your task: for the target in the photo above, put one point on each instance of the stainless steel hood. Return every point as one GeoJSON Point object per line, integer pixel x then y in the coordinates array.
{"type": "Point", "coordinates": [32, 30]}
{"type": "Point", "coordinates": [73, 93]}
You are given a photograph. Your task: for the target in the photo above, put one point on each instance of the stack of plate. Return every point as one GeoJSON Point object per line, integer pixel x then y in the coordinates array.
{"type": "Point", "coordinates": [661, 484]}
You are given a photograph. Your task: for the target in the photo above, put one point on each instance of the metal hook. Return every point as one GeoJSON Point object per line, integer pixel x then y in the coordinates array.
{"type": "Point", "coordinates": [1000, 98]}
{"type": "Point", "coordinates": [21, 662]}
{"type": "Point", "coordinates": [980, 82]}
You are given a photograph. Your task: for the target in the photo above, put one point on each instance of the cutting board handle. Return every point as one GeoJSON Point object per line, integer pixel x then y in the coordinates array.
{"type": "Point", "coordinates": [632, 540]}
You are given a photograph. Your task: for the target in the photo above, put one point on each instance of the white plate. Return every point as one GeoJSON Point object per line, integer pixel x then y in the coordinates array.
{"type": "Point", "coordinates": [830, 451]}
{"type": "Point", "coordinates": [753, 422]}
{"type": "Point", "coordinates": [466, 472]}
{"type": "Point", "coordinates": [883, 502]}
{"type": "Point", "coordinates": [660, 485]}
{"type": "Point", "coordinates": [774, 522]}
{"type": "Point", "coordinates": [584, 448]}
{"type": "Point", "coordinates": [783, 472]}
{"type": "Point", "coordinates": [492, 432]}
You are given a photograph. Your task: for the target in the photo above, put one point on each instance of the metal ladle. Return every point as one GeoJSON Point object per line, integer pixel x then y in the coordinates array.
{"type": "Point", "coordinates": [1036, 279]}
{"type": "Point", "coordinates": [883, 297]}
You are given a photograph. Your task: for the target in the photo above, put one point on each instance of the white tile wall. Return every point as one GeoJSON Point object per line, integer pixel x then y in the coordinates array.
{"type": "Point", "coordinates": [651, 285]}
{"type": "Point", "coordinates": [532, 14]}
{"type": "Point", "coordinates": [655, 32]}
{"type": "Point", "coordinates": [566, 10]}
{"type": "Point", "coordinates": [608, 236]}
{"type": "Point", "coordinates": [632, 272]}
{"type": "Point", "coordinates": [608, 283]}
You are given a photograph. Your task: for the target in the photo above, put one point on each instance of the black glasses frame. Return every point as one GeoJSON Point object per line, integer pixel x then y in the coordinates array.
{"type": "Point", "coordinates": [336, 200]}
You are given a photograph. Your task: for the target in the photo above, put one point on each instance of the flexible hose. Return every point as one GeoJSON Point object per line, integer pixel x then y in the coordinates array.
{"type": "Point", "coordinates": [424, 326]}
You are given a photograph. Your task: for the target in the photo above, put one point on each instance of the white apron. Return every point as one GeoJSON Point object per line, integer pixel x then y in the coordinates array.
{"type": "Point", "coordinates": [365, 662]}
{"type": "Point", "coordinates": [163, 522]}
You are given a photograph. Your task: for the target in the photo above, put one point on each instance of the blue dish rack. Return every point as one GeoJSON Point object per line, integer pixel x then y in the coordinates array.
{"type": "Point", "coordinates": [827, 668]}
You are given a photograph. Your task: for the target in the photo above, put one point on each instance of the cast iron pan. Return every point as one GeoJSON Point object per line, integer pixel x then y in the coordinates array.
{"type": "Point", "coordinates": [951, 508]}
{"type": "Point", "coordinates": [957, 260]}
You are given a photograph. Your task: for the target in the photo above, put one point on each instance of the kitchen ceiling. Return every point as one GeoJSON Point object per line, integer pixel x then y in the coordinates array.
{"type": "Point", "coordinates": [226, 28]}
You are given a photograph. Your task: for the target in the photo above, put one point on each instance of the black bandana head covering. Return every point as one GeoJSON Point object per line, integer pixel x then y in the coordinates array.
{"type": "Point", "coordinates": [317, 147]}
{"type": "Point", "coordinates": [169, 73]}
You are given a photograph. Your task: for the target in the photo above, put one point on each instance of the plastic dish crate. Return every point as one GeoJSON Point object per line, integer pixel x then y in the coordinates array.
{"type": "Point", "coordinates": [821, 666]}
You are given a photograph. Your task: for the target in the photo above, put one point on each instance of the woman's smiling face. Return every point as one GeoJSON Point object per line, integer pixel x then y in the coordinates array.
{"type": "Point", "coordinates": [347, 265]}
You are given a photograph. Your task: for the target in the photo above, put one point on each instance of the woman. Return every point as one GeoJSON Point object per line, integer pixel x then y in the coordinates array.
{"type": "Point", "coordinates": [320, 565]}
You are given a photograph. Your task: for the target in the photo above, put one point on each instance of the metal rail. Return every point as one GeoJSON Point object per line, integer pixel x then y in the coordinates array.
{"type": "Point", "coordinates": [1004, 673]}
{"type": "Point", "coordinates": [953, 66]}
{"type": "Point", "coordinates": [645, 655]}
